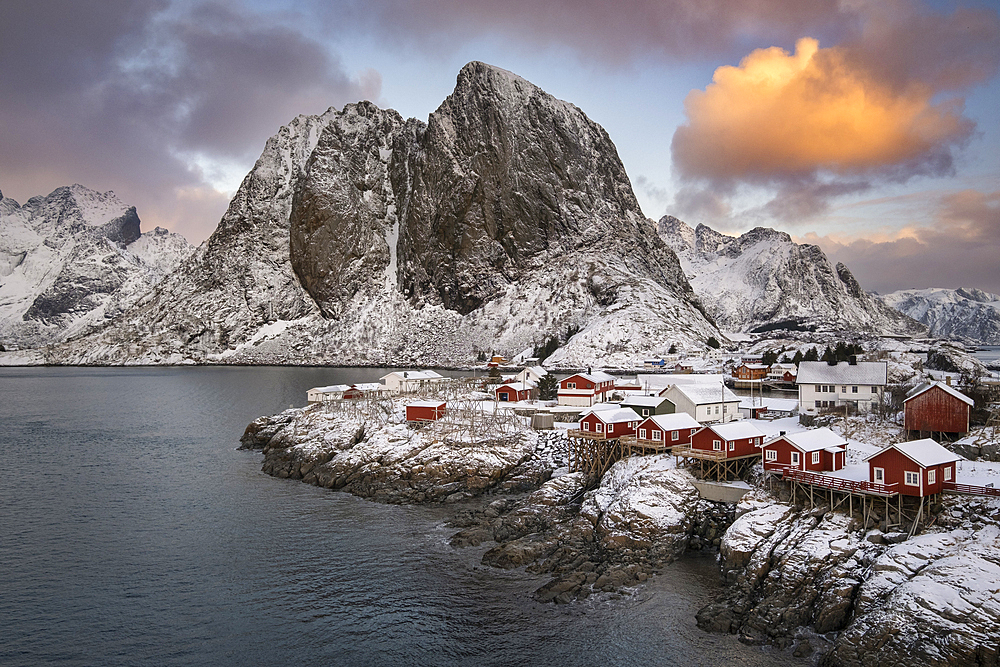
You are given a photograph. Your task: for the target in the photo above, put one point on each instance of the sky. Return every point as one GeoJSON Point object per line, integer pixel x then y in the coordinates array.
{"type": "Point", "coordinates": [868, 127]}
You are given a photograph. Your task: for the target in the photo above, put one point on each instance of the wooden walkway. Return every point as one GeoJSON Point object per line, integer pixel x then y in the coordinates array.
{"type": "Point", "coordinates": [715, 465]}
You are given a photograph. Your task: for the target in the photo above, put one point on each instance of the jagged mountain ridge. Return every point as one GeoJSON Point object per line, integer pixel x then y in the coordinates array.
{"type": "Point", "coordinates": [969, 314]}
{"type": "Point", "coordinates": [762, 280]}
{"type": "Point", "coordinates": [361, 238]}
{"type": "Point", "coordinates": [72, 260]}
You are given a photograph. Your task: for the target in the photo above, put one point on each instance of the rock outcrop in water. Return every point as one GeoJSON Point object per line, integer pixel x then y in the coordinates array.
{"type": "Point", "coordinates": [361, 238]}
{"type": "Point", "coordinates": [799, 575]}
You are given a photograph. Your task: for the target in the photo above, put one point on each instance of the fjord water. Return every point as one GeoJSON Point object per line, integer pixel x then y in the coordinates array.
{"type": "Point", "coordinates": [132, 532]}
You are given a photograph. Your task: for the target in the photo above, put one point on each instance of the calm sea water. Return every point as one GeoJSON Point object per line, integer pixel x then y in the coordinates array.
{"type": "Point", "coordinates": [988, 354]}
{"type": "Point", "coordinates": [132, 532]}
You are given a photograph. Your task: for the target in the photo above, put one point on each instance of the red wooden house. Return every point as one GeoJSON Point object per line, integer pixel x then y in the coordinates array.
{"type": "Point", "coordinates": [916, 468]}
{"type": "Point", "coordinates": [425, 411]}
{"type": "Point", "coordinates": [750, 372]}
{"type": "Point", "coordinates": [732, 439]}
{"type": "Point", "coordinates": [585, 389]}
{"type": "Point", "coordinates": [610, 423]}
{"type": "Point", "coordinates": [816, 450]}
{"type": "Point", "coordinates": [515, 391]}
{"type": "Point", "coordinates": [935, 408]}
{"type": "Point", "coordinates": [667, 430]}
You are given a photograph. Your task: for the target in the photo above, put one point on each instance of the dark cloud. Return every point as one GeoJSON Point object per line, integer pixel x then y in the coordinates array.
{"type": "Point", "coordinates": [960, 250]}
{"type": "Point", "coordinates": [600, 31]}
{"type": "Point", "coordinates": [125, 96]}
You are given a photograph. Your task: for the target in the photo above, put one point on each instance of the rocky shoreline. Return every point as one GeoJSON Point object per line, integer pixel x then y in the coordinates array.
{"type": "Point", "coordinates": [811, 581]}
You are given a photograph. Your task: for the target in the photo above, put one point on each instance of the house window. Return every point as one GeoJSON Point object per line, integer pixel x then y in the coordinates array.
{"type": "Point", "coordinates": [843, 390]}
{"type": "Point", "coordinates": [503, 396]}
{"type": "Point", "coordinates": [586, 426]}
{"type": "Point", "coordinates": [815, 458]}
{"type": "Point", "coordinates": [771, 454]}
{"type": "Point", "coordinates": [732, 445]}
{"type": "Point", "coordinates": [947, 474]}
{"type": "Point", "coordinates": [931, 477]}
{"type": "Point", "coordinates": [912, 478]}
{"type": "Point", "coordinates": [717, 445]}
{"type": "Point", "coordinates": [879, 475]}
{"type": "Point", "coordinates": [874, 390]}
{"type": "Point", "coordinates": [645, 412]}
{"type": "Point", "coordinates": [725, 409]}
{"type": "Point", "coordinates": [611, 428]}
{"type": "Point", "coordinates": [795, 458]}
{"type": "Point", "coordinates": [642, 433]}
{"type": "Point", "coordinates": [675, 435]}
{"type": "Point", "coordinates": [820, 388]}
{"type": "Point", "coordinates": [854, 390]}
{"type": "Point", "coordinates": [656, 435]}
{"type": "Point", "coordinates": [716, 409]}
{"type": "Point", "coordinates": [599, 427]}
{"type": "Point", "coordinates": [571, 385]}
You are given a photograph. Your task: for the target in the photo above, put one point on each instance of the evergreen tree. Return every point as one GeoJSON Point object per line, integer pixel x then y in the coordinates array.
{"type": "Point", "coordinates": [811, 355]}
{"type": "Point", "coordinates": [548, 387]}
{"type": "Point", "coordinates": [769, 358]}
{"type": "Point", "coordinates": [829, 357]}
{"type": "Point", "coordinates": [798, 358]}
{"type": "Point", "coordinates": [713, 343]}
{"type": "Point", "coordinates": [673, 349]}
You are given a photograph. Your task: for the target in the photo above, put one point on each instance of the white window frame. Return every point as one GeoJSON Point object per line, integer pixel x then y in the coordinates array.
{"type": "Point", "coordinates": [911, 478]}
{"type": "Point", "coordinates": [611, 428]}
{"type": "Point", "coordinates": [947, 474]}
{"type": "Point", "coordinates": [717, 445]}
{"type": "Point", "coordinates": [732, 445]}
{"type": "Point", "coordinates": [795, 458]}
{"type": "Point", "coordinates": [599, 427]}
{"type": "Point", "coordinates": [879, 474]}
{"type": "Point", "coordinates": [571, 385]}
{"type": "Point", "coordinates": [931, 476]}
{"type": "Point", "coordinates": [854, 389]}
{"type": "Point", "coordinates": [655, 435]}
{"type": "Point", "coordinates": [770, 454]}
{"type": "Point", "coordinates": [642, 434]}
{"type": "Point", "coordinates": [815, 457]}
{"type": "Point", "coordinates": [675, 435]}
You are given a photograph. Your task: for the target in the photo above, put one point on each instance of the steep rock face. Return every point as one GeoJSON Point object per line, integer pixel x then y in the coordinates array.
{"type": "Point", "coordinates": [762, 280]}
{"type": "Point", "coordinates": [359, 238]}
{"type": "Point", "coordinates": [73, 259]}
{"type": "Point", "coordinates": [963, 313]}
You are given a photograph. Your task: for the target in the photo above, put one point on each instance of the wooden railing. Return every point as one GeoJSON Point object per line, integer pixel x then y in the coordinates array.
{"type": "Point", "coordinates": [589, 435]}
{"type": "Point", "coordinates": [970, 488]}
{"type": "Point", "coordinates": [839, 483]}
{"type": "Point", "coordinates": [691, 452]}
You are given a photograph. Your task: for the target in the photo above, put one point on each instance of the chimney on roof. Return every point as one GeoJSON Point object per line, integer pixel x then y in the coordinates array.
{"type": "Point", "coordinates": [947, 380]}
{"type": "Point", "coordinates": [853, 360]}
{"type": "Point", "coordinates": [589, 371]}
{"type": "Point", "coordinates": [781, 433]}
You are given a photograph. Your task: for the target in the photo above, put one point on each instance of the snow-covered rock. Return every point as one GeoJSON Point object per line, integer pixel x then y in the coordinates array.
{"type": "Point", "coordinates": [970, 314]}
{"type": "Point", "coordinates": [763, 281]}
{"type": "Point", "coordinates": [73, 260]}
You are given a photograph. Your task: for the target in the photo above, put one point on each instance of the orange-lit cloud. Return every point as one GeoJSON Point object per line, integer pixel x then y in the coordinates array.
{"type": "Point", "coordinates": [781, 115]}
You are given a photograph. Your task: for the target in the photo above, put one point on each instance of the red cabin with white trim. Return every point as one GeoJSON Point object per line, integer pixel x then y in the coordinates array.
{"type": "Point", "coordinates": [585, 389]}
{"type": "Point", "coordinates": [816, 450]}
{"type": "Point", "coordinates": [668, 430]}
{"type": "Point", "coordinates": [514, 391]}
{"type": "Point", "coordinates": [610, 423]}
{"type": "Point", "coordinates": [733, 439]}
{"type": "Point", "coordinates": [917, 468]}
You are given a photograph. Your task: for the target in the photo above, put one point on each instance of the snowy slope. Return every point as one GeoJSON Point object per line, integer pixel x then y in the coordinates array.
{"type": "Point", "coordinates": [363, 238]}
{"type": "Point", "coordinates": [763, 280]}
{"type": "Point", "coordinates": [963, 313]}
{"type": "Point", "coordinates": [73, 259]}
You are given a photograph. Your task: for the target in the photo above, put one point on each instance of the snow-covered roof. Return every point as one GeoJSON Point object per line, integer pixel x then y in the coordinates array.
{"type": "Point", "coordinates": [367, 386]}
{"type": "Point", "coordinates": [779, 366]}
{"type": "Point", "coordinates": [597, 376]}
{"type": "Point", "coordinates": [537, 370]}
{"type": "Point", "coordinates": [616, 416]}
{"type": "Point", "coordinates": [674, 421]}
{"type": "Point", "coordinates": [863, 372]}
{"type": "Point", "coordinates": [517, 386]}
{"type": "Point", "coordinates": [776, 404]}
{"type": "Point", "coordinates": [814, 440]}
{"type": "Point", "coordinates": [331, 388]}
{"type": "Point", "coordinates": [924, 452]}
{"type": "Point", "coordinates": [700, 394]}
{"type": "Point", "coordinates": [415, 375]}
{"type": "Point", "coordinates": [425, 404]}
{"type": "Point", "coordinates": [736, 430]}
{"type": "Point", "coordinates": [645, 401]}
{"type": "Point", "coordinates": [927, 386]}
{"type": "Point", "coordinates": [755, 367]}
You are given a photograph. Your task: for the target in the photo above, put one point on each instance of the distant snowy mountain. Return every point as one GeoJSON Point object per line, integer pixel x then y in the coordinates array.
{"type": "Point", "coordinates": [762, 280]}
{"type": "Point", "coordinates": [363, 238]}
{"type": "Point", "coordinates": [963, 313]}
{"type": "Point", "coordinates": [71, 261]}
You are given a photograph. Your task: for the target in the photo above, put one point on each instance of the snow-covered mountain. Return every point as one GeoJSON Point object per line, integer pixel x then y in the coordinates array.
{"type": "Point", "coordinates": [963, 313]}
{"type": "Point", "coordinates": [363, 238]}
{"type": "Point", "coordinates": [72, 260]}
{"type": "Point", "coordinates": [762, 280]}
